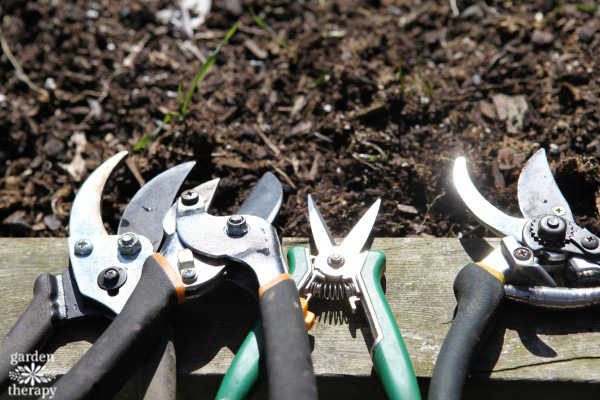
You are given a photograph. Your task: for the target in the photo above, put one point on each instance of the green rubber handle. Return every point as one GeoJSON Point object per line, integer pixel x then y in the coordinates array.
{"type": "Point", "coordinates": [249, 361]}
{"type": "Point", "coordinates": [390, 357]}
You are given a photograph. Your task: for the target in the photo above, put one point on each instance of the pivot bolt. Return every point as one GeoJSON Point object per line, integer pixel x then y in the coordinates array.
{"type": "Point", "coordinates": [129, 244]}
{"type": "Point", "coordinates": [111, 275]}
{"type": "Point", "coordinates": [237, 226]}
{"type": "Point", "coordinates": [553, 222]}
{"type": "Point", "coordinates": [335, 260]}
{"type": "Point", "coordinates": [590, 242]}
{"type": "Point", "coordinates": [189, 198]}
{"type": "Point", "coordinates": [83, 247]}
{"type": "Point", "coordinates": [552, 228]}
{"type": "Point", "coordinates": [522, 253]}
{"type": "Point", "coordinates": [188, 275]}
{"type": "Point", "coordinates": [112, 278]}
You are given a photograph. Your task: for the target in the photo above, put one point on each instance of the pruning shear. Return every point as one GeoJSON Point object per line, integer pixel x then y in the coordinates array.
{"type": "Point", "coordinates": [337, 273]}
{"type": "Point", "coordinates": [201, 250]}
{"type": "Point", "coordinates": [544, 247]}
{"type": "Point", "coordinates": [104, 269]}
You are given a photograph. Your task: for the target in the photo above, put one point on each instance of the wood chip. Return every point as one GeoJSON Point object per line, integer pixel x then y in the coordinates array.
{"type": "Point", "coordinates": [407, 209]}
{"type": "Point", "coordinates": [255, 49]}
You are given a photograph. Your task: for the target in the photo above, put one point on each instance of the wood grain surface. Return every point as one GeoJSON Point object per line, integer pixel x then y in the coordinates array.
{"type": "Point", "coordinates": [529, 353]}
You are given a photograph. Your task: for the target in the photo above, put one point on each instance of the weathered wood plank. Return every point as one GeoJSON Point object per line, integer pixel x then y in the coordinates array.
{"type": "Point", "coordinates": [554, 353]}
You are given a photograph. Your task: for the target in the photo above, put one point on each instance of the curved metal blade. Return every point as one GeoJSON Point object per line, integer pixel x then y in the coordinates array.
{"type": "Point", "coordinates": [320, 232]}
{"type": "Point", "coordinates": [145, 212]}
{"type": "Point", "coordinates": [86, 214]}
{"type": "Point", "coordinates": [538, 192]}
{"type": "Point", "coordinates": [206, 190]}
{"type": "Point", "coordinates": [358, 236]}
{"type": "Point", "coordinates": [264, 201]}
{"type": "Point", "coordinates": [488, 215]}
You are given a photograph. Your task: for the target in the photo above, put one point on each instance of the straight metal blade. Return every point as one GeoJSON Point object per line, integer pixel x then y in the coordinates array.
{"type": "Point", "coordinates": [488, 215]}
{"type": "Point", "coordinates": [320, 232]}
{"type": "Point", "coordinates": [145, 213]}
{"type": "Point", "coordinates": [86, 213]}
{"type": "Point", "coordinates": [538, 192]}
{"type": "Point", "coordinates": [206, 190]}
{"type": "Point", "coordinates": [264, 201]}
{"type": "Point", "coordinates": [359, 235]}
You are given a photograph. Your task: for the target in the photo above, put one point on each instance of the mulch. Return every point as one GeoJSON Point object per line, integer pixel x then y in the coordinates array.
{"type": "Point", "coordinates": [350, 102]}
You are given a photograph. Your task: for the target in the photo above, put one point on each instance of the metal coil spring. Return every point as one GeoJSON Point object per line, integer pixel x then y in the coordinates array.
{"type": "Point", "coordinates": [332, 291]}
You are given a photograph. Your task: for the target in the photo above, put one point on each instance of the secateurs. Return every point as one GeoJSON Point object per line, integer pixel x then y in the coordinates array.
{"type": "Point", "coordinates": [545, 259]}
{"type": "Point", "coordinates": [104, 269]}
{"type": "Point", "coordinates": [199, 251]}
{"type": "Point", "coordinates": [338, 273]}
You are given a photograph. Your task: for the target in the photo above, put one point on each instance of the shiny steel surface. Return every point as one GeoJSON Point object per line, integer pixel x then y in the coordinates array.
{"type": "Point", "coordinates": [488, 215]}
{"type": "Point", "coordinates": [86, 217]}
{"type": "Point", "coordinates": [538, 192]}
{"type": "Point", "coordinates": [145, 212]}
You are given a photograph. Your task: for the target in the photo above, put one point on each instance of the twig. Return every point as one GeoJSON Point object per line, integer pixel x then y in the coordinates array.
{"type": "Point", "coordinates": [267, 141]}
{"type": "Point", "coordinates": [429, 206]}
{"type": "Point", "coordinates": [454, 8]}
{"type": "Point", "coordinates": [42, 93]}
{"type": "Point", "coordinates": [283, 174]}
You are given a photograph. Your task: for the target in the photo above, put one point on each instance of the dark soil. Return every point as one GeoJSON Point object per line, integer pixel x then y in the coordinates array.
{"type": "Point", "coordinates": [372, 99]}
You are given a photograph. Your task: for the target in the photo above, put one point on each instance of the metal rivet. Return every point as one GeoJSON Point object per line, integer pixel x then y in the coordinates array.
{"type": "Point", "coordinates": [237, 226]}
{"type": "Point", "coordinates": [522, 253]}
{"type": "Point", "coordinates": [335, 260]}
{"type": "Point", "coordinates": [83, 247]}
{"type": "Point", "coordinates": [189, 197]}
{"type": "Point", "coordinates": [129, 243]}
{"type": "Point", "coordinates": [590, 242]}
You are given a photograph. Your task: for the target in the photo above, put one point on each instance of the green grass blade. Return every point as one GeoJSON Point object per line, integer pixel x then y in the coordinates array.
{"type": "Point", "coordinates": [267, 28]}
{"type": "Point", "coordinates": [207, 65]}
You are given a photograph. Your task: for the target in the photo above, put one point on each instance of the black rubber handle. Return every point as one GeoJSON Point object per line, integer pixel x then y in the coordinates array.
{"type": "Point", "coordinates": [479, 294]}
{"type": "Point", "coordinates": [289, 366]}
{"type": "Point", "coordinates": [158, 376]}
{"type": "Point", "coordinates": [34, 327]}
{"type": "Point", "coordinates": [115, 356]}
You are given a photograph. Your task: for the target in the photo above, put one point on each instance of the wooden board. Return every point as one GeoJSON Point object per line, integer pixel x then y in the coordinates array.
{"type": "Point", "coordinates": [530, 352]}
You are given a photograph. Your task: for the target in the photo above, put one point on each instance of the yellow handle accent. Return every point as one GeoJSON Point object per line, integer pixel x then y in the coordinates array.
{"type": "Point", "coordinates": [492, 271]}
{"type": "Point", "coordinates": [309, 318]}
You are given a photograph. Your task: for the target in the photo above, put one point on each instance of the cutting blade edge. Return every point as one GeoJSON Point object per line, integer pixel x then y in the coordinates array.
{"type": "Point", "coordinates": [538, 192]}
{"type": "Point", "coordinates": [488, 215]}
{"type": "Point", "coordinates": [360, 233]}
{"type": "Point", "coordinates": [320, 231]}
{"type": "Point", "coordinates": [265, 199]}
{"type": "Point", "coordinates": [86, 212]}
{"type": "Point", "coordinates": [145, 212]}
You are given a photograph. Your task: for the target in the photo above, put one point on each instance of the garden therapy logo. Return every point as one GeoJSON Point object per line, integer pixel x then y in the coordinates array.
{"type": "Point", "coordinates": [29, 374]}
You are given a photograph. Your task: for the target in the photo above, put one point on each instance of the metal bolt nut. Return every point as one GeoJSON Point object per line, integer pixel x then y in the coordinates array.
{"type": "Point", "coordinates": [129, 244]}
{"type": "Point", "coordinates": [189, 198]}
{"type": "Point", "coordinates": [237, 226]}
{"type": "Point", "coordinates": [590, 242]}
{"type": "Point", "coordinates": [522, 253]}
{"type": "Point", "coordinates": [83, 247]}
{"type": "Point", "coordinates": [188, 275]}
{"type": "Point", "coordinates": [336, 260]}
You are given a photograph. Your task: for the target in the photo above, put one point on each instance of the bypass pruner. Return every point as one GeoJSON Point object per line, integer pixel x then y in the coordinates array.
{"type": "Point", "coordinates": [545, 259]}
{"type": "Point", "coordinates": [104, 269]}
{"type": "Point", "coordinates": [337, 273]}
